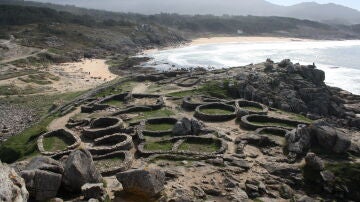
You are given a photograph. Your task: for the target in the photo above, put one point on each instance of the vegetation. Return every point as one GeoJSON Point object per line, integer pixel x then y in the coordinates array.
{"type": "Point", "coordinates": [153, 114]}
{"type": "Point", "coordinates": [55, 143]}
{"type": "Point", "coordinates": [159, 127]}
{"type": "Point", "coordinates": [121, 88]}
{"type": "Point", "coordinates": [14, 90]}
{"type": "Point", "coordinates": [258, 109]}
{"type": "Point", "coordinates": [199, 146]}
{"type": "Point", "coordinates": [115, 103]}
{"type": "Point", "coordinates": [158, 146]}
{"type": "Point", "coordinates": [40, 79]}
{"type": "Point", "coordinates": [216, 111]}
{"type": "Point", "coordinates": [24, 144]}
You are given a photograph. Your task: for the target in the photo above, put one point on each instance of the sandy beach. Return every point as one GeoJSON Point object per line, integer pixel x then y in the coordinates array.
{"type": "Point", "coordinates": [241, 39]}
{"type": "Point", "coordinates": [237, 39]}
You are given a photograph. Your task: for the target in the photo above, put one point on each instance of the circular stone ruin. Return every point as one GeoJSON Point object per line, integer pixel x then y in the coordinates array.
{"type": "Point", "coordinates": [158, 126]}
{"type": "Point", "coordinates": [275, 134]}
{"type": "Point", "coordinates": [103, 126]}
{"type": "Point", "coordinates": [249, 107]}
{"type": "Point", "coordinates": [113, 163]}
{"type": "Point", "coordinates": [215, 112]}
{"type": "Point", "coordinates": [191, 102]}
{"type": "Point", "coordinates": [111, 143]}
{"type": "Point", "coordinates": [188, 82]}
{"type": "Point", "coordinates": [58, 141]}
{"type": "Point", "coordinates": [185, 145]}
{"type": "Point", "coordinates": [253, 122]}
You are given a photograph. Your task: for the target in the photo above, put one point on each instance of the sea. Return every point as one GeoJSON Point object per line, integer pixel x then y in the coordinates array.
{"type": "Point", "coordinates": [339, 59]}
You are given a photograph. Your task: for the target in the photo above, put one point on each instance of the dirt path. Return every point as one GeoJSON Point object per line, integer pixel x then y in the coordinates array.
{"type": "Point", "coordinates": [62, 121]}
{"type": "Point", "coordinates": [22, 56]}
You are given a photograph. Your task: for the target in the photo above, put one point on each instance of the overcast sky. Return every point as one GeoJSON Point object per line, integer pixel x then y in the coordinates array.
{"type": "Point", "coordinates": [350, 3]}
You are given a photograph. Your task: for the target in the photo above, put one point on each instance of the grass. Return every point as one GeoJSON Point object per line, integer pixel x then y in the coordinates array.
{"type": "Point", "coordinates": [40, 78]}
{"type": "Point", "coordinates": [294, 116]}
{"type": "Point", "coordinates": [115, 103]}
{"type": "Point", "coordinates": [274, 124]}
{"type": "Point", "coordinates": [56, 143]}
{"type": "Point", "coordinates": [153, 114]}
{"type": "Point", "coordinates": [121, 88]}
{"type": "Point", "coordinates": [159, 127]}
{"type": "Point", "coordinates": [14, 90]}
{"type": "Point", "coordinates": [154, 138]}
{"type": "Point", "coordinates": [215, 89]}
{"type": "Point", "coordinates": [24, 144]}
{"type": "Point", "coordinates": [199, 147]}
{"type": "Point", "coordinates": [158, 146]}
{"type": "Point", "coordinates": [216, 111]}
{"type": "Point", "coordinates": [257, 109]}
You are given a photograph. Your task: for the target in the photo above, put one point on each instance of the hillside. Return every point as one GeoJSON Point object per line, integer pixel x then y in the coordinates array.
{"type": "Point", "coordinates": [330, 13]}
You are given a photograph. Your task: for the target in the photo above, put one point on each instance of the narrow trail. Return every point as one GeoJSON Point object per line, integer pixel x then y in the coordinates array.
{"type": "Point", "coordinates": [22, 57]}
{"type": "Point", "coordinates": [62, 121]}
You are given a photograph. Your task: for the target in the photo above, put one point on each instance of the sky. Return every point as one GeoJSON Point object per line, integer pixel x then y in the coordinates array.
{"type": "Point", "coordinates": [350, 3]}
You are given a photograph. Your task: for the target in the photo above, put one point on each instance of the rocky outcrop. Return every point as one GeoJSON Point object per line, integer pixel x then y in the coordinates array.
{"type": "Point", "coordinates": [12, 186]}
{"type": "Point", "coordinates": [330, 138]}
{"type": "Point", "coordinates": [147, 183]}
{"type": "Point", "coordinates": [43, 177]}
{"type": "Point", "coordinates": [314, 162]}
{"type": "Point", "coordinates": [79, 169]}
{"type": "Point", "coordinates": [187, 126]}
{"type": "Point", "coordinates": [295, 88]}
{"type": "Point", "coordinates": [298, 141]}
{"type": "Point", "coordinates": [93, 191]}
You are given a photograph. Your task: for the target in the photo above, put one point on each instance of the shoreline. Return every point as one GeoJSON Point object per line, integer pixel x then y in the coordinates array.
{"type": "Point", "coordinates": [229, 39]}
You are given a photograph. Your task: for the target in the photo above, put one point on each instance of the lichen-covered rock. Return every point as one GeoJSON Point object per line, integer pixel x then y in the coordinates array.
{"type": "Point", "coordinates": [147, 183]}
{"type": "Point", "coordinates": [298, 141]}
{"type": "Point", "coordinates": [43, 177]}
{"type": "Point", "coordinates": [187, 126]}
{"type": "Point", "coordinates": [79, 169]}
{"type": "Point", "coordinates": [314, 162]}
{"type": "Point", "coordinates": [12, 186]}
{"type": "Point", "coordinates": [330, 138]}
{"type": "Point", "coordinates": [95, 191]}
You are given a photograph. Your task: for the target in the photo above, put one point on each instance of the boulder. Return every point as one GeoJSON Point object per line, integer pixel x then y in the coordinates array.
{"type": "Point", "coordinates": [12, 186]}
{"type": "Point", "coordinates": [79, 169]}
{"type": "Point", "coordinates": [298, 141]}
{"type": "Point", "coordinates": [187, 126]}
{"type": "Point", "coordinates": [314, 162]}
{"type": "Point", "coordinates": [330, 138]}
{"type": "Point", "coordinates": [147, 183]}
{"type": "Point", "coordinates": [95, 191]}
{"type": "Point", "coordinates": [43, 177]}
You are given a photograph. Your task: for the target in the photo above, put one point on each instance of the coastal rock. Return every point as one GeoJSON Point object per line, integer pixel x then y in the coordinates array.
{"type": "Point", "coordinates": [314, 162]}
{"type": "Point", "coordinates": [298, 141]}
{"type": "Point", "coordinates": [148, 183]}
{"type": "Point", "coordinates": [79, 169]}
{"type": "Point", "coordinates": [43, 177]}
{"type": "Point", "coordinates": [95, 191]}
{"type": "Point", "coordinates": [187, 126]}
{"type": "Point", "coordinates": [329, 137]}
{"type": "Point", "coordinates": [12, 187]}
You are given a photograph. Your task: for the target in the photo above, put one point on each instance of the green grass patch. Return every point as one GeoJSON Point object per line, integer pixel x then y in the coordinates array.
{"type": "Point", "coordinates": [207, 147]}
{"type": "Point", "coordinates": [278, 124]}
{"type": "Point", "coordinates": [294, 116]}
{"type": "Point", "coordinates": [153, 114]}
{"type": "Point", "coordinates": [216, 111]}
{"type": "Point", "coordinates": [256, 109]}
{"type": "Point", "coordinates": [14, 90]}
{"type": "Point", "coordinates": [158, 146]}
{"type": "Point", "coordinates": [214, 88]}
{"type": "Point", "coordinates": [121, 88]}
{"type": "Point", "coordinates": [56, 143]}
{"type": "Point", "coordinates": [159, 127]}
{"type": "Point", "coordinates": [24, 144]}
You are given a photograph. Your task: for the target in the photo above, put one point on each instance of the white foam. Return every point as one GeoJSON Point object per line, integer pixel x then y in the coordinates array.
{"type": "Point", "coordinates": [326, 54]}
